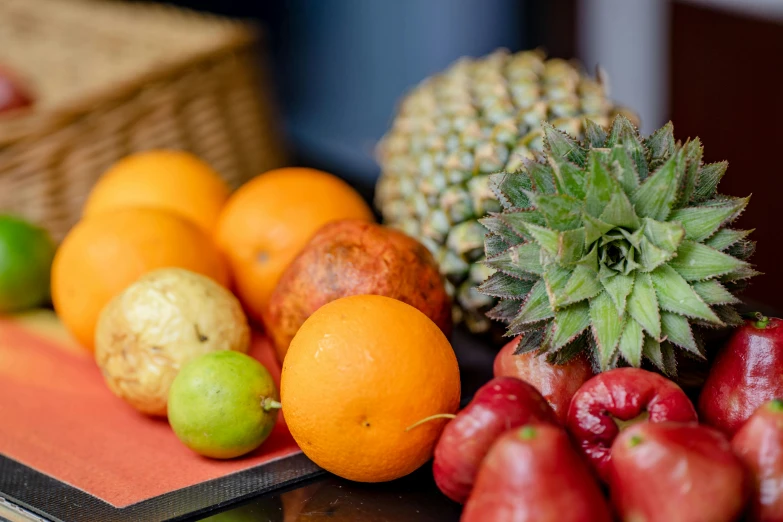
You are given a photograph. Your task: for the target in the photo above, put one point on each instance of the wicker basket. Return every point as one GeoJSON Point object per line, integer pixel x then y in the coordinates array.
{"type": "Point", "coordinates": [112, 78]}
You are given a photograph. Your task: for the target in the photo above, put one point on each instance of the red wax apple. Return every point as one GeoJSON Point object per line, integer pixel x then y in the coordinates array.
{"type": "Point", "coordinates": [675, 472]}
{"type": "Point", "coordinates": [534, 474]}
{"type": "Point", "coordinates": [13, 95]}
{"type": "Point", "coordinates": [746, 373]}
{"type": "Point", "coordinates": [557, 383]}
{"type": "Point", "coordinates": [501, 404]}
{"type": "Point", "coordinates": [759, 445]}
{"type": "Point", "coordinates": [611, 401]}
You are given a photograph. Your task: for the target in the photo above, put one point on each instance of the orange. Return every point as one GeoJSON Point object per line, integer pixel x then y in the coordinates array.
{"type": "Point", "coordinates": [271, 218]}
{"type": "Point", "coordinates": [101, 256]}
{"type": "Point", "coordinates": [173, 180]}
{"type": "Point", "coordinates": [360, 371]}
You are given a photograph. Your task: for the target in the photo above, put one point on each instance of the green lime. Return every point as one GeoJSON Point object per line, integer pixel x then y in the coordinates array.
{"type": "Point", "coordinates": [26, 253]}
{"type": "Point", "coordinates": [223, 404]}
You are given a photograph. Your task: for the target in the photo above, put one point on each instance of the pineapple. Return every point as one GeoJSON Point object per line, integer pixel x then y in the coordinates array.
{"type": "Point", "coordinates": [452, 131]}
{"type": "Point", "coordinates": [618, 246]}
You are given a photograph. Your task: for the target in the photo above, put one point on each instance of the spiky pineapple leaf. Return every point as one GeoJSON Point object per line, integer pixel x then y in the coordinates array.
{"type": "Point", "coordinates": [677, 330]}
{"type": "Point", "coordinates": [634, 239]}
{"type": "Point", "coordinates": [556, 279]}
{"type": "Point", "coordinates": [561, 212]}
{"type": "Point", "coordinates": [590, 260]}
{"type": "Point", "coordinates": [661, 355]}
{"type": "Point", "coordinates": [735, 287]}
{"type": "Point", "coordinates": [742, 249]}
{"type": "Point", "coordinates": [506, 287]}
{"type": "Point", "coordinates": [707, 184]}
{"type": "Point", "coordinates": [713, 293]}
{"type": "Point", "coordinates": [729, 315]}
{"type": "Point", "coordinates": [664, 235]}
{"type": "Point", "coordinates": [569, 351]}
{"type": "Point", "coordinates": [569, 178]}
{"type": "Point", "coordinates": [624, 133]}
{"type": "Point", "coordinates": [518, 220]}
{"type": "Point", "coordinates": [530, 341]}
{"type": "Point", "coordinates": [656, 195]}
{"type": "Point", "coordinates": [494, 244]}
{"type": "Point", "coordinates": [505, 310]}
{"type": "Point", "coordinates": [571, 246]}
{"type": "Point", "coordinates": [643, 305]}
{"type": "Point", "coordinates": [561, 145]}
{"type": "Point", "coordinates": [607, 326]}
{"type": "Point", "coordinates": [620, 212]}
{"type": "Point", "coordinates": [569, 323]}
{"type": "Point", "coordinates": [595, 229]}
{"type": "Point", "coordinates": [536, 306]}
{"type": "Point", "coordinates": [626, 265]}
{"type": "Point", "coordinates": [740, 274]}
{"type": "Point", "coordinates": [594, 134]}
{"type": "Point", "coordinates": [676, 295]}
{"type": "Point", "coordinates": [725, 237]}
{"type": "Point", "coordinates": [660, 145]}
{"type": "Point", "coordinates": [696, 261]}
{"type": "Point", "coordinates": [651, 349]}
{"type": "Point", "coordinates": [547, 238]}
{"type": "Point", "coordinates": [543, 178]}
{"type": "Point", "coordinates": [500, 228]}
{"type": "Point", "coordinates": [618, 287]}
{"type": "Point", "coordinates": [702, 222]}
{"type": "Point", "coordinates": [631, 341]}
{"type": "Point", "coordinates": [669, 359]}
{"type": "Point", "coordinates": [510, 189]}
{"type": "Point", "coordinates": [651, 257]}
{"type": "Point", "coordinates": [624, 169]}
{"type": "Point", "coordinates": [583, 284]}
{"type": "Point", "coordinates": [692, 152]}
{"type": "Point", "coordinates": [600, 185]}
{"type": "Point", "coordinates": [519, 261]}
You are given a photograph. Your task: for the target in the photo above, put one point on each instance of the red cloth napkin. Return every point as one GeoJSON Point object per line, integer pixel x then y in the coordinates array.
{"type": "Point", "coordinates": [58, 417]}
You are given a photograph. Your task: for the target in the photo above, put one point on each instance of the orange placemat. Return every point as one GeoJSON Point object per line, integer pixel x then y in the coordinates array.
{"type": "Point", "coordinates": [58, 418]}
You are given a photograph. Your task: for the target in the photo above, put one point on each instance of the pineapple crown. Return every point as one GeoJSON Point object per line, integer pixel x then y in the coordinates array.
{"type": "Point", "coordinates": [617, 246]}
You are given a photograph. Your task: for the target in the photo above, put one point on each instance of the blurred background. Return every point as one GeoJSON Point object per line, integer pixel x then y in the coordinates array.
{"type": "Point", "coordinates": [337, 69]}
{"type": "Point", "coordinates": [714, 67]}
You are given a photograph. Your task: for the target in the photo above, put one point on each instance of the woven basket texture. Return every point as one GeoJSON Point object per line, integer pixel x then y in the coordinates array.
{"type": "Point", "coordinates": [111, 78]}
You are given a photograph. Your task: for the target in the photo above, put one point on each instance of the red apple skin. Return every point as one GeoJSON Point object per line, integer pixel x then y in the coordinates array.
{"type": "Point", "coordinates": [501, 404]}
{"type": "Point", "coordinates": [746, 373]}
{"type": "Point", "coordinates": [534, 474]}
{"type": "Point", "coordinates": [622, 395]}
{"type": "Point", "coordinates": [557, 383]}
{"type": "Point", "coordinates": [759, 445]}
{"type": "Point", "coordinates": [676, 472]}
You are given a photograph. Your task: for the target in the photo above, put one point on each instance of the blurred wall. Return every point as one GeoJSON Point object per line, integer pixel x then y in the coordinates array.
{"type": "Point", "coordinates": [726, 75]}
{"type": "Point", "coordinates": [346, 63]}
{"type": "Point", "coordinates": [629, 39]}
{"type": "Point", "coordinates": [341, 66]}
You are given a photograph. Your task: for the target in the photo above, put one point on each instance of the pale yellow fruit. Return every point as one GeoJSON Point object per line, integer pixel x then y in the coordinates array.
{"type": "Point", "coordinates": [162, 321]}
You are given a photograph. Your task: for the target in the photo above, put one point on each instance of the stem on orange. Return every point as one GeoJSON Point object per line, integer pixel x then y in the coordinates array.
{"type": "Point", "coordinates": [430, 418]}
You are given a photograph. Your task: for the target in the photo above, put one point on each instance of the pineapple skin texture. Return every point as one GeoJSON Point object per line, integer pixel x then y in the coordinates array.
{"type": "Point", "coordinates": [453, 130]}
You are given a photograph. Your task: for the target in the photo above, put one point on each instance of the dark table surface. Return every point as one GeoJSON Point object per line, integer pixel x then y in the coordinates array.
{"type": "Point", "coordinates": [411, 499]}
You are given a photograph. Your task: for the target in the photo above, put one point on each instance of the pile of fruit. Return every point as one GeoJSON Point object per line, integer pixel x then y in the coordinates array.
{"type": "Point", "coordinates": [509, 456]}
{"type": "Point", "coordinates": [609, 257]}
{"type": "Point", "coordinates": [168, 272]}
